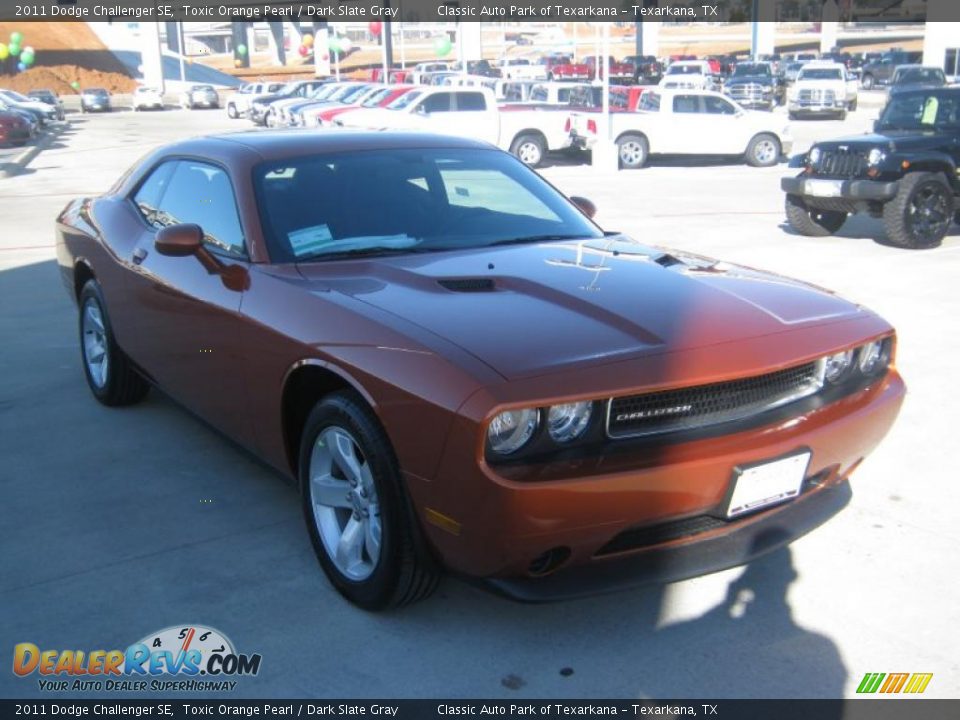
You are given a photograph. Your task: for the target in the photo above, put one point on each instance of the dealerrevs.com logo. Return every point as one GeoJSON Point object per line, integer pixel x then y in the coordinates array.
{"type": "Point", "coordinates": [177, 658]}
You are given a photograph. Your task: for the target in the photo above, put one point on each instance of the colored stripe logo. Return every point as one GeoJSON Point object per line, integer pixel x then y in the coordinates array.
{"type": "Point", "coordinates": [913, 683]}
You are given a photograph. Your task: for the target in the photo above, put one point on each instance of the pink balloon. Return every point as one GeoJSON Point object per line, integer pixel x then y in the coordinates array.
{"type": "Point", "coordinates": [375, 27]}
{"type": "Point", "coordinates": [303, 50]}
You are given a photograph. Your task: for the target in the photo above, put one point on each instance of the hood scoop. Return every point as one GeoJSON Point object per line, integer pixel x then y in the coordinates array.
{"type": "Point", "coordinates": [667, 260]}
{"type": "Point", "coordinates": [468, 285]}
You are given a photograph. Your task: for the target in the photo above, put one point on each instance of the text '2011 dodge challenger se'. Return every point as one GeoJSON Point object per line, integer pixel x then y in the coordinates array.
{"type": "Point", "coordinates": [460, 370]}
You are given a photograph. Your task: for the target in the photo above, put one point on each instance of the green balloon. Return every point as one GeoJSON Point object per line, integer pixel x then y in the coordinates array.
{"type": "Point", "coordinates": [334, 44]}
{"type": "Point", "coordinates": [27, 59]}
{"type": "Point", "coordinates": [241, 50]}
{"type": "Point", "coordinates": [4, 52]}
{"type": "Point", "coordinates": [75, 85]}
{"type": "Point", "coordinates": [442, 45]}
{"type": "Point", "coordinates": [14, 49]}
{"type": "Point", "coordinates": [15, 38]}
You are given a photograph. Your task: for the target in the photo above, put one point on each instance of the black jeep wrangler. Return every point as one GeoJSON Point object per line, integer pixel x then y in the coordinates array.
{"type": "Point", "coordinates": [906, 172]}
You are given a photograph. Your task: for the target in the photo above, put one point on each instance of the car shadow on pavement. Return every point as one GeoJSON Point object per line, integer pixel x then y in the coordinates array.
{"type": "Point", "coordinates": [864, 227]}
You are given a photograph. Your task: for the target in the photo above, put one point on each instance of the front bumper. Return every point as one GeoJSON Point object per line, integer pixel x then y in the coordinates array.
{"type": "Point", "coordinates": [646, 515]}
{"type": "Point", "coordinates": [857, 190]}
{"type": "Point", "coordinates": [757, 536]}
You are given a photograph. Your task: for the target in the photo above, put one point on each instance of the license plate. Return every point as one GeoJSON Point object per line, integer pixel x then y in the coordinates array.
{"type": "Point", "coordinates": [767, 483]}
{"type": "Point", "coordinates": [824, 188]}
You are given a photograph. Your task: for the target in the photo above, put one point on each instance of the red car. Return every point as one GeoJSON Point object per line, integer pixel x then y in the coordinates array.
{"type": "Point", "coordinates": [562, 67]}
{"type": "Point", "coordinates": [414, 330]}
{"type": "Point", "coordinates": [14, 130]}
{"type": "Point", "coordinates": [619, 72]}
{"type": "Point", "coordinates": [380, 98]}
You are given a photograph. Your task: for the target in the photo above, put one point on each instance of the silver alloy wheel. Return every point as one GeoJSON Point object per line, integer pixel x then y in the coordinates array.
{"type": "Point", "coordinates": [95, 343]}
{"type": "Point", "coordinates": [631, 152]}
{"type": "Point", "coordinates": [346, 509]}
{"type": "Point", "coordinates": [765, 151]}
{"type": "Point", "coordinates": [529, 153]}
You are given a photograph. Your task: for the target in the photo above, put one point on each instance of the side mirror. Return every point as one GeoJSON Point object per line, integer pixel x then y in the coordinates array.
{"type": "Point", "coordinates": [179, 240]}
{"type": "Point", "coordinates": [585, 206]}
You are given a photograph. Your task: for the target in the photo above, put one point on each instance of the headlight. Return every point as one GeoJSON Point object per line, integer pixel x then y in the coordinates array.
{"type": "Point", "coordinates": [837, 366]}
{"type": "Point", "coordinates": [814, 156]}
{"type": "Point", "coordinates": [568, 421]}
{"type": "Point", "coordinates": [876, 156]}
{"type": "Point", "coordinates": [512, 429]}
{"type": "Point", "coordinates": [873, 357]}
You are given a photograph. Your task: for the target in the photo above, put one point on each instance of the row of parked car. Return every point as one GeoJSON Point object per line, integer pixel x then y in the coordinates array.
{"type": "Point", "coordinates": [550, 117]}
{"type": "Point", "coordinates": [23, 116]}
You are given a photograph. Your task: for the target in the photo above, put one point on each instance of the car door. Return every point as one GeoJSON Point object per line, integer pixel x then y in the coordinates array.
{"type": "Point", "coordinates": [726, 127]}
{"type": "Point", "coordinates": [686, 129]}
{"type": "Point", "coordinates": [189, 329]}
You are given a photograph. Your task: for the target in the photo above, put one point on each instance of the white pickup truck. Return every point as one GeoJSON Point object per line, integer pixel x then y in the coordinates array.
{"type": "Point", "coordinates": [470, 112]}
{"type": "Point", "coordinates": [823, 88]}
{"type": "Point", "coordinates": [688, 122]}
{"type": "Point", "coordinates": [688, 75]}
{"type": "Point", "coordinates": [521, 68]}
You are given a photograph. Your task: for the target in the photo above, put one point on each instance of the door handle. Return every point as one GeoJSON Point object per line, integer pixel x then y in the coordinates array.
{"type": "Point", "coordinates": [139, 255]}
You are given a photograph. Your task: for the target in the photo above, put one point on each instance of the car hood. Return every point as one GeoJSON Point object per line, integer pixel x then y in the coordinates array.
{"type": "Point", "coordinates": [528, 310]}
{"type": "Point", "coordinates": [890, 140]}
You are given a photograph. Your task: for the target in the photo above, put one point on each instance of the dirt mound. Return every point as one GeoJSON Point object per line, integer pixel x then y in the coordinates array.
{"type": "Point", "coordinates": [66, 52]}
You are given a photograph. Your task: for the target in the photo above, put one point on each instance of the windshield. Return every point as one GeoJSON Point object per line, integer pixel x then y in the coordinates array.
{"type": "Point", "coordinates": [820, 74]}
{"type": "Point", "coordinates": [428, 200]}
{"type": "Point", "coordinates": [921, 111]}
{"type": "Point", "coordinates": [378, 97]}
{"type": "Point", "coordinates": [202, 88]}
{"type": "Point", "coordinates": [404, 100]}
{"type": "Point", "coordinates": [16, 96]}
{"type": "Point", "coordinates": [752, 69]}
{"type": "Point", "coordinates": [920, 75]}
{"type": "Point", "coordinates": [685, 70]}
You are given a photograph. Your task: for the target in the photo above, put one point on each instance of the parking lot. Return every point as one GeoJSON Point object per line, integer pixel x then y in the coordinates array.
{"type": "Point", "coordinates": [122, 522]}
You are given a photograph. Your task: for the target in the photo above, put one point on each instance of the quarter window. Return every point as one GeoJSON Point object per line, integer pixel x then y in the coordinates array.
{"type": "Point", "coordinates": [147, 198]}
{"type": "Point", "coordinates": [471, 102]}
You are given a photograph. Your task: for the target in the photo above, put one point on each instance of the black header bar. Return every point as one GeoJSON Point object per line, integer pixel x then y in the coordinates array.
{"type": "Point", "coordinates": [883, 11]}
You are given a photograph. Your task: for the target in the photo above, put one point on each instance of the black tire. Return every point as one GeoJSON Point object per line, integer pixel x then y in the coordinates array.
{"type": "Point", "coordinates": [764, 150]}
{"type": "Point", "coordinates": [633, 150]}
{"type": "Point", "coordinates": [232, 111]}
{"type": "Point", "coordinates": [811, 221]}
{"type": "Point", "coordinates": [868, 82]}
{"type": "Point", "coordinates": [919, 192]}
{"type": "Point", "coordinates": [791, 116]}
{"type": "Point", "coordinates": [853, 105]}
{"type": "Point", "coordinates": [405, 571]}
{"type": "Point", "coordinates": [122, 384]}
{"type": "Point", "coordinates": [842, 115]}
{"type": "Point", "coordinates": [529, 148]}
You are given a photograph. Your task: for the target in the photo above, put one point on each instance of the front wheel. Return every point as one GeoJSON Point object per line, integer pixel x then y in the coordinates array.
{"type": "Point", "coordinates": [853, 105]}
{"type": "Point", "coordinates": [812, 222]}
{"type": "Point", "coordinates": [110, 376]}
{"type": "Point", "coordinates": [919, 216]}
{"type": "Point", "coordinates": [763, 151]}
{"type": "Point", "coordinates": [633, 151]}
{"type": "Point", "coordinates": [868, 82]}
{"type": "Point", "coordinates": [362, 527]}
{"type": "Point", "coordinates": [530, 149]}
{"type": "Point", "coordinates": [232, 112]}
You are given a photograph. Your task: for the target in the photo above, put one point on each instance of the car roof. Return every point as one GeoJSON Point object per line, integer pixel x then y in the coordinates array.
{"type": "Point", "coordinates": [284, 144]}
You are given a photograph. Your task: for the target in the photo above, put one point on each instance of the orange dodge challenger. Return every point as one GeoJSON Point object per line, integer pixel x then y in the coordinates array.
{"type": "Point", "coordinates": [460, 370]}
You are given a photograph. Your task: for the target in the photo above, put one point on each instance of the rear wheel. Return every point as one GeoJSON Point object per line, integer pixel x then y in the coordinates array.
{"type": "Point", "coordinates": [763, 150]}
{"type": "Point", "coordinates": [110, 376]}
{"type": "Point", "coordinates": [853, 105]}
{"type": "Point", "coordinates": [920, 214]}
{"type": "Point", "coordinates": [530, 149]}
{"type": "Point", "coordinates": [868, 82]}
{"type": "Point", "coordinates": [232, 111]}
{"type": "Point", "coordinates": [811, 221]}
{"type": "Point", "coordinates": [360, 521]}
{"type": "Point", "coordinates": [633, 151]}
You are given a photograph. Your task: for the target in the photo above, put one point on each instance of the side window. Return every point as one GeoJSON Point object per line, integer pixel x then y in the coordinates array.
{"type": "Point", "coordinates": [563, 95]}
{"type": "Point", "coordinates": [686, 104]}
{"type": "Point", "coordinates": [471, 102]}
{"type": "Point", "coordinates": [202, 194]}
{"type": "Point", "coordinates": [438, 102]}
{"type": "Point", "coordinates": [718, 106]}
{"type": "Point", "coordinates": [147, 198]}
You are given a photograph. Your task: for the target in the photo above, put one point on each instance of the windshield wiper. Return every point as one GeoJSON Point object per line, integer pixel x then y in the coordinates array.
{"type": "Point", "coordinates": [380, 251]}
{"type": "Point", "coordinates": [532, 239]}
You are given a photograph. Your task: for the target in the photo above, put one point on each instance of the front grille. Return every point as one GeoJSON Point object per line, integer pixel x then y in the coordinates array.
{"type": "Point", "coordinates": [747, 91]}
{"type": "Point", "coordinates": [842, 163]}
{"type": "Point", "coordinates": [695, 407]}
{"type": "Point", "coordinates": [814, 98]}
